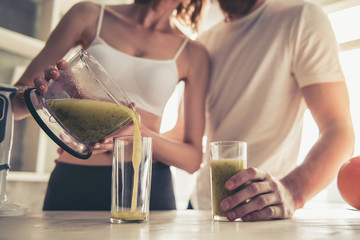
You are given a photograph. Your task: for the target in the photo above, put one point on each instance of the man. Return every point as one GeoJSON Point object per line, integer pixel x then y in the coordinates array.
{"type": "Point", "coordinates": [272, 59]}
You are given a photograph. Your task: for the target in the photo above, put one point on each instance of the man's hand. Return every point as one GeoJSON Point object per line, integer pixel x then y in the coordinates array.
{"type": "Point", "coordinates": [262, 198]}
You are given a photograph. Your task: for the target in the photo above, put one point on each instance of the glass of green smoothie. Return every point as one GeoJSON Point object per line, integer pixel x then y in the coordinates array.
{"type": "Point", "coordinates": [82, 107]}
{"type": "Point", "coordinates": [226, 159]}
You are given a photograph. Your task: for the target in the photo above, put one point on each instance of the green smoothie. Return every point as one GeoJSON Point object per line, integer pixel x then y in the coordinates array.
{"type": "Point", "coordinates": [89, 120]}
{"type": "Point", "coordinates": [221, 171]}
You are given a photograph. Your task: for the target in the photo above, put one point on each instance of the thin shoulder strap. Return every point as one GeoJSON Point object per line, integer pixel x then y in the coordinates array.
{"type": "Point", "coordinates": [182, 46]}
{"type": "Point", "coordinates": [100, 20]}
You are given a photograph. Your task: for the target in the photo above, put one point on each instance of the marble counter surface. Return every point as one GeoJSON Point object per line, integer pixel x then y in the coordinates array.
{"type": "Point", "coordinates": [321, 222]}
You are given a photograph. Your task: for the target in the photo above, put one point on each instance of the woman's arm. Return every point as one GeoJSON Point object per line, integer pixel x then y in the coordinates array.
{"type": "Point", "coordinates": [75, 28]}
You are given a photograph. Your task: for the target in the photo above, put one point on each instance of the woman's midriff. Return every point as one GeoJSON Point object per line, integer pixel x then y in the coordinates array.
{"type": "Point", "coordinates": [98, 158]}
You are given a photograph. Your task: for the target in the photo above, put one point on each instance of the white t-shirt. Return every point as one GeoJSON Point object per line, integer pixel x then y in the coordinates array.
{"type": "Point", "coordinates": [259, 64]}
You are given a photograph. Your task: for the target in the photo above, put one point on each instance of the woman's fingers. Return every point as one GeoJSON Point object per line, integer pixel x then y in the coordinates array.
{"type": "Point", "coordinates": [62, 64]}
{"type": "Point", "coordinates": [41, 84]}
{"type": "Point", "coordinates": [51, 72]}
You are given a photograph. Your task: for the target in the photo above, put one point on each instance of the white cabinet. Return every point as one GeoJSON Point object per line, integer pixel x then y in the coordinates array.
{"type": "Point", "coordinates": [23, 31]}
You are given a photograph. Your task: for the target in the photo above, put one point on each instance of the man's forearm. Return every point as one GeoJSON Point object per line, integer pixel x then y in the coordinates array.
{"type": "Point", "coordinates": [321, 165]}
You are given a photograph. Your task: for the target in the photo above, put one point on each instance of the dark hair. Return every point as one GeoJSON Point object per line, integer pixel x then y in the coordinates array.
{"type": "Point", "coordinates": [236, 7]}
{"type": "Point", "coordinates": [188, 12]}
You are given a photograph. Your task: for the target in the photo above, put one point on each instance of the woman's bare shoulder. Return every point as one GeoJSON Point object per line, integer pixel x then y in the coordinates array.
{"type": "Point", "coordinates": [84, 11]}
{"type": "Point", "coordinates": [196, 50]}
{"type": "Point", "coordinates": [196, 62]}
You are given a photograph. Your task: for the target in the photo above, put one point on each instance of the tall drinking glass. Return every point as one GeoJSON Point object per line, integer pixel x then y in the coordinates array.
{"type": "Point", "coordinates": [226, 159]}
{"type": "Point", "coordinates": [131, 179]}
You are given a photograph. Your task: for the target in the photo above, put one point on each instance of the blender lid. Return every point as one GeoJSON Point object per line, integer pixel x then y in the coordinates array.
{"type": "Point", "coordinates": [53, 128]}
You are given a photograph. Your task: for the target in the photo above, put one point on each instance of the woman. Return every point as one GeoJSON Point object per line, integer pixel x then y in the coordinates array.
{"type": "Point", "coordinates": [136, 43]}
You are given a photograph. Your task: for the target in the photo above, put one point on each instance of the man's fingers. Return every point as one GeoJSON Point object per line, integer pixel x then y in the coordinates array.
{"type": "Point", "coordinates": [244, 176]}
{"type": "Point", "coordinates": [250, 191]}
{"type": "Point", "coordinates": [267, 213]}
{"type": "Point", "coordinates": [256, 204]}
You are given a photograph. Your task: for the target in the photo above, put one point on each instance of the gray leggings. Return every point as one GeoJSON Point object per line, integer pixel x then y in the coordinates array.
{"type": "Point", "coordinates": [76, 187]}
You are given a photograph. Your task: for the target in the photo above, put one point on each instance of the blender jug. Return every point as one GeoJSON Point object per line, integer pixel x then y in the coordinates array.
{"type": "Point", "coordinates": [6, 133]}
{"type": "Point", "coordinates": [80, 108]}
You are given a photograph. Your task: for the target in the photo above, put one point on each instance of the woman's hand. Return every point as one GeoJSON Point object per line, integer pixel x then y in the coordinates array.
{"type": "Point", "coordinates": [59, 72]}
{"type": "Point", "coordinates": [104, 146]}
{"type": "Point", "coordinates": [262, 198]}
{"type": "Point", "coordinates": [62, 84]}
{"type": "Point", "coordinates": [107, 143]}
{"type": "Point", "coordinates": [51, 72]}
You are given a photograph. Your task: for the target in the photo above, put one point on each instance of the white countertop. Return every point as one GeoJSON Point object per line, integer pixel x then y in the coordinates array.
{"type": "Point", "coordinates": [324, 222]}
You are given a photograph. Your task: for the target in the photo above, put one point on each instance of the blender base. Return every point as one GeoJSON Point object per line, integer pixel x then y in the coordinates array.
{"type": "Point", "coordinates": [9, 209]}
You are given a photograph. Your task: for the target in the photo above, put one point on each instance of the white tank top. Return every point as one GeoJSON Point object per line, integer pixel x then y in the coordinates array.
{"type": "Point", "coordinates": [148, 83]}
